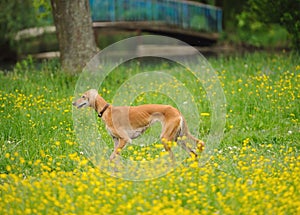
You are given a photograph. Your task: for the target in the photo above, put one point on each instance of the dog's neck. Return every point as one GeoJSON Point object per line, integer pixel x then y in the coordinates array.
{"type": "Point", "coordinates": [101, 105]}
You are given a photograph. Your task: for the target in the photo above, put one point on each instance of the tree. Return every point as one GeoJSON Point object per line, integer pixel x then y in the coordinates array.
{"type": "Point", "coordinates": [75, 35]}
{"type": "Point", "coordinates": [283, 12]}
{"type": "Point", "coordinates": [17, 15]}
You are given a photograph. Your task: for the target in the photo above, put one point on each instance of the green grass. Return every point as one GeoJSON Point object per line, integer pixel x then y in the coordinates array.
{"type": "Point", "coordinates": [255, 170]}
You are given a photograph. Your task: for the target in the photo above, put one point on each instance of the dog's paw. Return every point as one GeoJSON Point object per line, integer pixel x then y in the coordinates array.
{"type": "Point", "coordinates": [200, 145]}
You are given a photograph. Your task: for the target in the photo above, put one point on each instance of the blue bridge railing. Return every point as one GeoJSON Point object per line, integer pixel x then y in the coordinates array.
{"type": "Point", "coordinates": [182, 14]}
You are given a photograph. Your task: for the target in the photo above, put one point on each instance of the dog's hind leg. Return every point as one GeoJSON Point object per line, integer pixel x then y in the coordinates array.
{"type": "Point", "coordinates": [199, 143]}
{"type": "Point", "coordinates": [169, 132]}
{"type": "Point", "coordinates": [167, 147]}
{"type": "Point", "coordinates": [183, 145]}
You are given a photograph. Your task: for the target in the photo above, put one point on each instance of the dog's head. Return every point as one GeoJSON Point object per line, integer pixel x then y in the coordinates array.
{"type": "Point", "coordinates": [87, 99]}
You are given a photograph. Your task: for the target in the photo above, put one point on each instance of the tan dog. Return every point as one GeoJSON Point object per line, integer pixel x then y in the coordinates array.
{"type": "Point", "coordinates": [125, 123]}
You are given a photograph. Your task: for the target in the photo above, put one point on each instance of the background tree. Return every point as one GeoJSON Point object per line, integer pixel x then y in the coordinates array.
{"type": "Point", "coordinates": [283, 12]}
{"type": "Point", "coordinates": [16, 15]}
{"type": "Point", "coordinates": [75, 35]}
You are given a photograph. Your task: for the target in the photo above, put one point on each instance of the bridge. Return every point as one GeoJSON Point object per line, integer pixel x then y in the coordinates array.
{"type": "Point", "coordinates": [195, 23]}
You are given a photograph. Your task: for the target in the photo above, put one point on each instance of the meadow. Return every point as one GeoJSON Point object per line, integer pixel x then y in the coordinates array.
{"type": "Point", "coordinates": [254, 170]}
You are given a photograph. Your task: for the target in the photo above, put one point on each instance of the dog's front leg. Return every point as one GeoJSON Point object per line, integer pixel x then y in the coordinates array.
{"type": "Point", "coordinates": [119, 145]}
{"type": "Point", "coordinates": [113, 155]}
{"type": "Point", "coordinates": [116, 141]}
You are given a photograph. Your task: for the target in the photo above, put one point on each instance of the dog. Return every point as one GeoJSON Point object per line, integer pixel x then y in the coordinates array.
{"type": "Point", "coordinates": [125, 123]}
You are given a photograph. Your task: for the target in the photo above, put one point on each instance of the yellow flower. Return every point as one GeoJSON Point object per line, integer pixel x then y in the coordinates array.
{"type": "Point", "coordinates": [8, 168]}
{"type": "Point", "coordinates": [204, 114]}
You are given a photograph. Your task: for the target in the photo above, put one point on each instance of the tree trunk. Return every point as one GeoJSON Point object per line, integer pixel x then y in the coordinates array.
{"type": "Point", "coordinates": [75, 35]}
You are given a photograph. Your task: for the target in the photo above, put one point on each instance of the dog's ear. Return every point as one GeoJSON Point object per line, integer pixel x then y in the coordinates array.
{"type": "Point", "coordinates": [93, 93]}
{"type": "Point", "coordinates": [91, 96]}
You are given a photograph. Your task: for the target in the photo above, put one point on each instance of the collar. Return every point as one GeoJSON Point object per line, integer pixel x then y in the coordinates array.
{"type": "Point", "coordinates": [103, 110]}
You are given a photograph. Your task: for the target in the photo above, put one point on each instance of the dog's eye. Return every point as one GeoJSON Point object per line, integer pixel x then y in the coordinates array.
{"type": "Point", "coordinates": [83, 97]}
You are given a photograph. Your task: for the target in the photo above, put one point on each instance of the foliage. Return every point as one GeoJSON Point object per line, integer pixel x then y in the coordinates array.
{"type": "Point", "coordinates": [43, 9]}
{"type": "Point", "coordinates": [286, 13]}
{"type": "Point", "coordinates": [254, 171]}
{"type": "Point", "coordinates": [21, 14]}
{"type": "Point", "coordinates": [258, 34]}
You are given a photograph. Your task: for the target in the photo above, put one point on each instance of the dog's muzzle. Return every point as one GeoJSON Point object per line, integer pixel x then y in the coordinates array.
{"type": "Point", "coordinates": [79, 105]}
